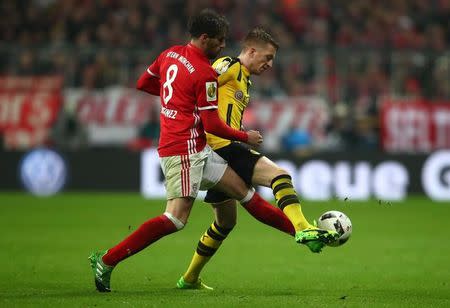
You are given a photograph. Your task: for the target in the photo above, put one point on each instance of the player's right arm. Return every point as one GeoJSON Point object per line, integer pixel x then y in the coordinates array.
{"type": "Point", "coordinates": [214, 125]}
{"type": "Point", "coordinates": [207, 97]}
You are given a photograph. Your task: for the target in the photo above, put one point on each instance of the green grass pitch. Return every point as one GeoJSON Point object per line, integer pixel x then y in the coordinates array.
{"type": "Point", "coordinates": [398, 256]}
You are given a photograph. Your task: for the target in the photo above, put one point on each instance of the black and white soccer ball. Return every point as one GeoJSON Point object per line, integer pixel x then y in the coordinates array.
{"type": "Point", "coordinates": [336, 221]}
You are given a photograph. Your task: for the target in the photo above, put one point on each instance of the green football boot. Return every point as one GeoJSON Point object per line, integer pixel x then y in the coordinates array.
{"type": "Point", "coordinates": [102, 272]}
{"type": "Point", "coordinates": [199, 285]}
{"type": "Point", "coordinates": [315, 239]}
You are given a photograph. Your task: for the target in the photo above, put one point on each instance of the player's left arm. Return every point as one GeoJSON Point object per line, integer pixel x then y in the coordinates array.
{"type": "Point", "coordinates": [149, 81]}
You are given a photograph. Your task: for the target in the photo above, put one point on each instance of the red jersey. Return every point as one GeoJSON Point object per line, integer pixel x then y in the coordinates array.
{"type": "Point", "coordinates": [188, 84]}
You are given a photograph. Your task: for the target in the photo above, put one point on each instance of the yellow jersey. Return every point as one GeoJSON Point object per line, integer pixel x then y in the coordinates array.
{"type": "Point", "coordinates": [234, 84]}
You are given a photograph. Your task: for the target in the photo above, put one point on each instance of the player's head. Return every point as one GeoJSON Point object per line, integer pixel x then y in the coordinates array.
{"type": "Point", "coordinates": [208, 30]}
{"type": "Point", "coordinates": [259, 50]}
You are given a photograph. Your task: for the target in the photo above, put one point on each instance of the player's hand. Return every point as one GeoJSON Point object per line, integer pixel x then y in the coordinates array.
{"type": "Point", "coordinates": [254, 138]}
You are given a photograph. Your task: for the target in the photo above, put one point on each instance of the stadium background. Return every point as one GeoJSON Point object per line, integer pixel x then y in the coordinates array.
{"type": "Point", "coordinates": [357, 108]}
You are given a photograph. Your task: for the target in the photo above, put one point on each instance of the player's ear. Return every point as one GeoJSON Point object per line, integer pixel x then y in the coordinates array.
{"type": "Point", "coordinates": [203, 37]}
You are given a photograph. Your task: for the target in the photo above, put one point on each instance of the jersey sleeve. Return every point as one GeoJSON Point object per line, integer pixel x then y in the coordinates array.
{"type": "Point", "coordinates": [149, 80]}
{"type": "Point", "coordinates": [153, 69]}
{"type": "Point", "coordinates": [206, 90]}
{"type": "Point", "coordinates": [214, 125]}
{"type": "Point", "coordinates": [148, 83]}
{"type": "Point", "coordinates": [226, 69]}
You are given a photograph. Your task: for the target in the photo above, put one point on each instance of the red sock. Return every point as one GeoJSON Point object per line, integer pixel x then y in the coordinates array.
{"type": "Point", "coordinates": [268, 214]}
{"type": "Point", "coordinates": [149, 232]}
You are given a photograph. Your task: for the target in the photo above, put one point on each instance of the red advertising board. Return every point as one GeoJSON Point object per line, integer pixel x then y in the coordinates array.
{"type": "Point", "coordinates": [28, 108]}
{"type": "Point", "coordinates": [111, 116]}
{"type": "Point", "coordinates": [276, 117]}
{"type": "Point", "coordinates": [415, 126]}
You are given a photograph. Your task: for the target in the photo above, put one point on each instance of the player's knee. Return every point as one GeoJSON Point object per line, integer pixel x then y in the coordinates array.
{"type": "Point", "coordinates": [179, 223]}
{"type": "Point", "coordinates": [280, 171]}
{"type": "Point", "coordinates": [277, 174]}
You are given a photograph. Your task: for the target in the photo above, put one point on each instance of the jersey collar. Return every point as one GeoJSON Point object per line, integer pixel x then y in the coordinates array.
{"type": "Point", "coordinates": [198, 51]}
{"type": "Point", "coordinates": [245, 71]}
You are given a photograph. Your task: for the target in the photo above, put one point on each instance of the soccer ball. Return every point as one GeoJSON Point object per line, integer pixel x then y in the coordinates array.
{"type": "Point", "coordinates": [336, 221]}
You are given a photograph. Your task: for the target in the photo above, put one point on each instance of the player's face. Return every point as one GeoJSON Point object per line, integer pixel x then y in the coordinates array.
{"type": "Point", "coordinates": [262, 58]}
{"type": "Point", "coordinates": [214, 46]}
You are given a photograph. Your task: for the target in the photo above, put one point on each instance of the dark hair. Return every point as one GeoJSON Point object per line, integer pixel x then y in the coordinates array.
{"type": "Point", "coordinates": [209, 22]}
{"type": "Point", "coordinates": [259, 35]}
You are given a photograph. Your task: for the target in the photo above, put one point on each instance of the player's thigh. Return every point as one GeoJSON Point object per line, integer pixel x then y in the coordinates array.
{"type": "Point", "coordinates": [265, 170]}
{"type": "Point", "coordinates": [213, 170]}
{"type": "Point", "coordinates": [225, 213]}
{"type": "Point", "coordinates": [180, 208]}
{"type": "Point", "coordinates": [242, 160]}
{"type": "Point", "coordinates": [183, 174]}
{"type": "Point", "coordinates": [232, 185]}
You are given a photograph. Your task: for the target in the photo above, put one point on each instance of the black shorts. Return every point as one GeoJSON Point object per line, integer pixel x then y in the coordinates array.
{"type": "Point", "coordinates": [242, 160]}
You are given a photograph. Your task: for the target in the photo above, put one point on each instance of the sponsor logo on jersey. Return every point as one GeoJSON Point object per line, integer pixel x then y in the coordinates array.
{"type": "Point", "coordinates": [211, 91]}
{"type": "Point", "coordinates": [239, 95]}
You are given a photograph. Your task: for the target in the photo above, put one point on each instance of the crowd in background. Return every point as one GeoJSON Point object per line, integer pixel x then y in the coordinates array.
{"type": "Point", "coordinates": [351, 53]}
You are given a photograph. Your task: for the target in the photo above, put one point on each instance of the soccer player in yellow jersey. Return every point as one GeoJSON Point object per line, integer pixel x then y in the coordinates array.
{"type": "Point", "coordinates": [258, 53]}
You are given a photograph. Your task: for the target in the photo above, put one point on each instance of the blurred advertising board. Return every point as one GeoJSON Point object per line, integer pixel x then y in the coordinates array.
{"type": "Point", "coordinates": [415, 126]}
{"type": "Point", "coordinates": [28, 108]}
{"type": "Point", "coordinates": [43, 172]}
{"type": "Point", "coordinates": [111, 116]}
{"type": "Point", "coordinates": [355, 176]}
{"type": "Point", "coordinates": [322, 176]}
{"type": "Point", "coordinates": [277, 116]}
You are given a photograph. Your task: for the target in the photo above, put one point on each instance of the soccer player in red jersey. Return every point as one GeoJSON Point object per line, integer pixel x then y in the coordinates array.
{"type": "Point", "coordinates": [187, 84]}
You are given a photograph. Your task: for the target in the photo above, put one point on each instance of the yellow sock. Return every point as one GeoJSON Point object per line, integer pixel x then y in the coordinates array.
{"type": "Point", "coordinates": [206, 248]}
{"type": "Point", "coordinates": [288, 202]}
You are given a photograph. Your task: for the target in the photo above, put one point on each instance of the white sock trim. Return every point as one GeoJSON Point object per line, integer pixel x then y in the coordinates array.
{"type": "Point", "coordinates": [175, 220]}
{"type": "Point", "coordinates": [249, 195]}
